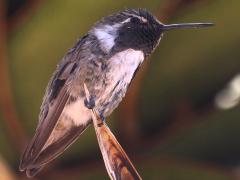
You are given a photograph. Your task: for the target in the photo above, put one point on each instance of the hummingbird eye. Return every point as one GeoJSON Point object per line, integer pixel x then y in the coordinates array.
{"type": "Point", "coordinates": [138, 20]}
{"type": "Point", "coordinates": [135, 20]}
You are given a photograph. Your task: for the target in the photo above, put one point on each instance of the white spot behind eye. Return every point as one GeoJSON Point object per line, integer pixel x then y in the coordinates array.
{"type": "Point", "coordinates": [144, 20]}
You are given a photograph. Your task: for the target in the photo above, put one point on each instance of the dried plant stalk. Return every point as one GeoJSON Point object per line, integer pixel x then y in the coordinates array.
{"type": "Point", "coordinates": [116, 161]}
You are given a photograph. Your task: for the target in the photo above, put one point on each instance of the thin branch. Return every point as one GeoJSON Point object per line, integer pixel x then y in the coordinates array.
{"type": "Point", "coordinates": [10, 116]}
{"type": "Point", "coordinates": [24, 14]}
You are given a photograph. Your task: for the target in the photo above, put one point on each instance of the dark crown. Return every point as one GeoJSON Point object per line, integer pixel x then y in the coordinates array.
{"type": "Point", "coordinates": [134, 29]}
{"type": "Point", "coordinates": [141, 33]}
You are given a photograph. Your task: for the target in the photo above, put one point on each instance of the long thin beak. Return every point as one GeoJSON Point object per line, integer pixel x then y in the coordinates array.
{"type": "Point", "coordinates": [185, 26]}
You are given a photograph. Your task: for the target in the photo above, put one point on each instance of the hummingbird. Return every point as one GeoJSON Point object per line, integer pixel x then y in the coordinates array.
{"type": "Point", "coordinates": [105, 60]}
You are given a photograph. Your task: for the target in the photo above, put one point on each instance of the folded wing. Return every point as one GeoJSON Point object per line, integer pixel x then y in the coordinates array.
{"type": "Point", "coordinates": [62, 119]}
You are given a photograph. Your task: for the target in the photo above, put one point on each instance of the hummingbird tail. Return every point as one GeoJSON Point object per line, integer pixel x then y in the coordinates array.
{"type": "Point", "coordinates": [65, 121]}
{"type": "Point", "coordinates": [52, 150]}
{"type": "Point", "coordinates": [32, 172]}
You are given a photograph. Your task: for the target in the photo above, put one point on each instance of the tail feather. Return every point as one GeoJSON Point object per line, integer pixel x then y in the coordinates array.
{"type": "Point", "coordinates": [52, 150]}
{"type": "Point", "coordinates": [33, 171]}
{"type": "Point", "coordinates": [58, 147]}
{"type": "Point", "coordinates": [46, 126]}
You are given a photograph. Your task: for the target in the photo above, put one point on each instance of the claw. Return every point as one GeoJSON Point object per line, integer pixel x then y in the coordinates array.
{"type": "Point", "coordinates": [102, 118]}
{"type": "Point", "coordinates": [90, 104]}
{"type": "Point", "coordinates": [90, 100]}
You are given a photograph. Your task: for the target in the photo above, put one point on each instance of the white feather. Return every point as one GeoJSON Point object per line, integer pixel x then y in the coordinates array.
{"type": "Point", "coordinates": [122, 67]}
{"type": "Point", "coordinates": [78, 112]}
{"type": "Point", "coordinates": [106, 35]}
{"type": "Point", "coordinates": [124, 64]}
{"type": "Point", "coordinates": [74, 114]}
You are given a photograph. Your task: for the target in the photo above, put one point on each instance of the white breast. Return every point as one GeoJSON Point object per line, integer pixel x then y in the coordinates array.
{"type": "Point", "coordinates": [121, 69]}
{"type": "Point", "coordinates": [124, 64]}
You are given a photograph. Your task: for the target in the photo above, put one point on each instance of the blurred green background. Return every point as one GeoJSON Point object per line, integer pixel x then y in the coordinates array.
{"type": "Point", "coordinates": [180, 119]}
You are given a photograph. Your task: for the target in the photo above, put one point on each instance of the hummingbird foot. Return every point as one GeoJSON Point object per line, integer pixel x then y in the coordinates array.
{"type": "Point", "coordinates": [90, 104]}
{"type": "Point", "coordinates": [102, 118]}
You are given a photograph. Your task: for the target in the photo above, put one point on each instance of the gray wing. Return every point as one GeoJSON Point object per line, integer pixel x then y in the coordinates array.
{"type": "Point", "coordinates": [56, 128]}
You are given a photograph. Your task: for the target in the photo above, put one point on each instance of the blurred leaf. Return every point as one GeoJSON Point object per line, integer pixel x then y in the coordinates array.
{"type": "Point", "coordinates": [215, 138]}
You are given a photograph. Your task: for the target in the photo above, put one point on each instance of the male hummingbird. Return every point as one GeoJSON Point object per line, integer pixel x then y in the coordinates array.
{"type": "Point", "coordinates": [105, 60]}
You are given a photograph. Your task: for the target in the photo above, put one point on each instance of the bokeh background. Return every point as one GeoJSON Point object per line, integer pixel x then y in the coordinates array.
{"type": "Point", "coordinates": [180, 119]}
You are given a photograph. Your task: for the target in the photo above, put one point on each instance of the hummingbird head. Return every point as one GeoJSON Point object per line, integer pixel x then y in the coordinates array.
{"type": "Point", "coordinates": [134, 28]}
